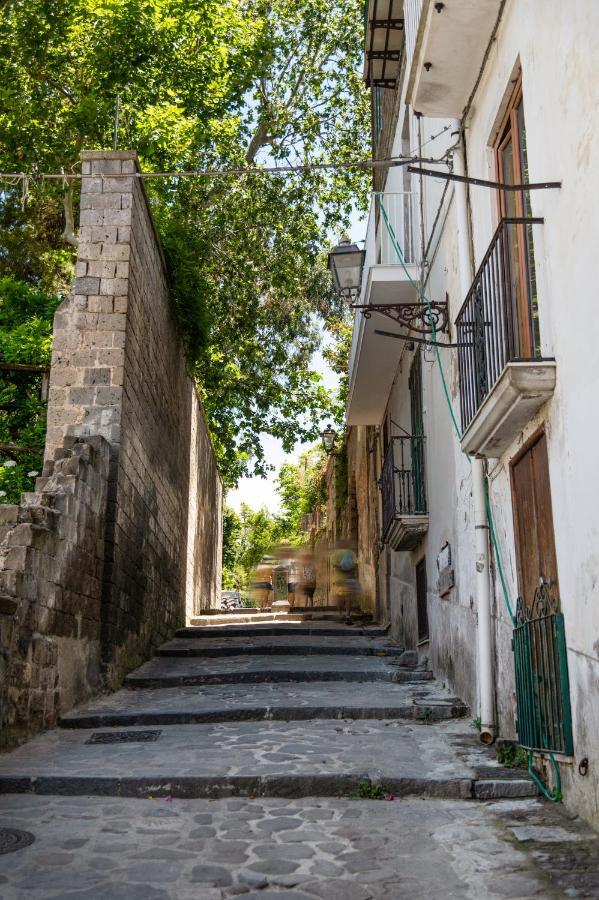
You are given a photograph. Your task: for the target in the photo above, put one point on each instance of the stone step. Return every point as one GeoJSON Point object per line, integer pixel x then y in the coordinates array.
{"type": "Point", "coordinates": [269, 702]}
{"type": "Point", "coordinates": [318, 759]}
{"type": "Point", "coordinates": [284, 645]}
{"type": "Point", "coordinates": [165, 672]}
{"type": "Point", "coordinates": [241, 617]}
{"type": "Point", "coordinates": [301, 628]}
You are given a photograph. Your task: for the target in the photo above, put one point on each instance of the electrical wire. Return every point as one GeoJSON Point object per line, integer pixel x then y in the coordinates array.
{"type": "Point", "coordinates": [14, 178]}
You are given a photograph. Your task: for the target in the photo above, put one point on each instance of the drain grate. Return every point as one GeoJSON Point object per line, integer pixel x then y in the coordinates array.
{"type": "Point", "coordinates": [123, 737]}
{"type": "Point", "coordinates": [12, 839]}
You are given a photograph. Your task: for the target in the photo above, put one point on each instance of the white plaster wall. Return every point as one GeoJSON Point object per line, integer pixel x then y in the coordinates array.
{"type": "Point", "coordinates": [557, 45]}
{"type": "Point", "coordinates": [558, 48]}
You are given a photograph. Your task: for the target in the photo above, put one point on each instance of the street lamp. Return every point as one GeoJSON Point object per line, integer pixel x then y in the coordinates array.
{"type": "Point", "coordinates": [345, 263]}
{"type": "Point", "coordinates": [328, 439]}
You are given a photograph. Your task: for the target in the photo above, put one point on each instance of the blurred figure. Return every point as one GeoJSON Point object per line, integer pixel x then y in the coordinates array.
{"type": "Point", "coordinates": [261, 587]}
{"type": "Point", "coordinates": [308, 577]}
{"type": "Point", "coordinates": [345, 577]}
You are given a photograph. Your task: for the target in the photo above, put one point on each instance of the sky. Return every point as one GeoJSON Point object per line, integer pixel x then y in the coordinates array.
{"type": "Point", "coordinates": [259, 492]}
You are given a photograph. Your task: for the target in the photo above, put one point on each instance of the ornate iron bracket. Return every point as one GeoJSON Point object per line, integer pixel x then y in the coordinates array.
{"type": "Point", "coordinates": [420, 317]}
{"type": "Point", "coordinates": [544, 603]}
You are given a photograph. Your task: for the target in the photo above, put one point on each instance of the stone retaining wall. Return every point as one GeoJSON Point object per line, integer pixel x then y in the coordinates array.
{"type": "Point", "coordinates": [51, 571]}
{"type": "Point", "coordinates": [119, 376]}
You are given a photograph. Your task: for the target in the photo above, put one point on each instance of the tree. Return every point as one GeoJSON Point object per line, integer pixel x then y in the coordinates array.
{"type": "Point", "coordinates": [203, 83]}
{"type": "Point", "coordinates": [247, 537]}
{"type": "Point", "coordinates": [25, 338]}
{"type": "Point", "coordinates": [302, 489]}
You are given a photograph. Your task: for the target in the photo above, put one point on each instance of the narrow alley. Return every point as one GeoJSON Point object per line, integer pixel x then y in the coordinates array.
{"type": "Point", "coordinates": [281, 759]}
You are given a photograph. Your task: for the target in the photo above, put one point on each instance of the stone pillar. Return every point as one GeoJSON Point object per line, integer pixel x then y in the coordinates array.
{"type": "Point", "coordinates": [86, 382]}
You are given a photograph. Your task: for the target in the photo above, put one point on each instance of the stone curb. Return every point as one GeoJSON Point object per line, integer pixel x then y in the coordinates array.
{"type": "Point", "coordinates": [283, 786]}
{"type": "Point", "coordinates": [412, 712]}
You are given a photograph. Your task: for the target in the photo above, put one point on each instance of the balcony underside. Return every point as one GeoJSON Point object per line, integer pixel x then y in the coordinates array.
{"type": "Point", "coordinates": [376, 357]}
{"type": "Point", "coordinates": [453, 42]}
{"type": "Point", "coordinates": [406, 532]}
{"type": "Point", "coordinates": [522, 388]}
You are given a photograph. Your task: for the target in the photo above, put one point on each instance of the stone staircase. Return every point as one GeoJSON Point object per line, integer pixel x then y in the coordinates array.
{"type": "Point", "coordinates": [277, 708]}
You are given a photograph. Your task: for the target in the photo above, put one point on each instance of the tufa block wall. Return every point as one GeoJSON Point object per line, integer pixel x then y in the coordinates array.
{"type": "Point", "coordinates": [123, 534]}
{"type": "Point", "coordinates": [51, 570]}
{"type": "Point", "coordinates": [118, 369]}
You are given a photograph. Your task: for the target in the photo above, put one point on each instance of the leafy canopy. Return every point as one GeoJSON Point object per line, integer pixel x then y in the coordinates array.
{"type": "Point", "coordinates": [25, 337]}
{"type": "Point", "coordinates": [202, 83]}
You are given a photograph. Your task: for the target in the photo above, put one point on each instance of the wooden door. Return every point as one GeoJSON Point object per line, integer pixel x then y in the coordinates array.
{"type": "Point", "coordinates": [533, 521]}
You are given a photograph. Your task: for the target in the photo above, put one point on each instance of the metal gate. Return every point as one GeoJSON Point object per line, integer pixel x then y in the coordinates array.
{"type": "Point", "coordinates": [542, 686]}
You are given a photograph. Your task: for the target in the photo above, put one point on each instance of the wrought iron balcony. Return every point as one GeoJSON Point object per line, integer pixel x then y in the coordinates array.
{"type": "Point", "coordinates": [402, 483]}
{"type": "Point", "coordinates": [503, 377]}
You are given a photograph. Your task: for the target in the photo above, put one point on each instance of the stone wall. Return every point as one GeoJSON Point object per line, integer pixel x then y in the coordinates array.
{"type": "Point", "coordinates": [51, 570]}
{"type": "Point", "coordinates": [118, 369]}
{"type": "Point", "coordinates": [135, 540]}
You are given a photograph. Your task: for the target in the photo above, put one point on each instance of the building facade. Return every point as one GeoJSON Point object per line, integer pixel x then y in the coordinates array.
{"type": "Point", "coordinates": [471, 431]}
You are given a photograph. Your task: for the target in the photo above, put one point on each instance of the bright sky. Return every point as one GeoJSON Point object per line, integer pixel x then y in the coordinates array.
{"type": "Point", "coordinates": [259, 492]}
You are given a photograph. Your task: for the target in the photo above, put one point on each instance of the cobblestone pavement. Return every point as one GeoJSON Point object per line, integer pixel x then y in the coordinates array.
{"type": "Point", "coordinates": [219, 805]}
{"type": "Point", "coordinates": [106, 848]}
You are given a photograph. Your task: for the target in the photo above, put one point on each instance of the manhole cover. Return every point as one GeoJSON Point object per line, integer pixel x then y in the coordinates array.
{"type": "Point", "coordinates": [12, 839]}
{"type": "Point", "coordinates": [123, 737]}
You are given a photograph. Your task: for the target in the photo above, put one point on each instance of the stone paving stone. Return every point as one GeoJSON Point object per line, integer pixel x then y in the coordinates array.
{"type": "Point", "coordinates": [406, 848]}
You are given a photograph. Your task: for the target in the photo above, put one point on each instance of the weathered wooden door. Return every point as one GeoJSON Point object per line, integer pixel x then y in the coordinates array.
{"type": "Point", "coordinates": [533, 522]}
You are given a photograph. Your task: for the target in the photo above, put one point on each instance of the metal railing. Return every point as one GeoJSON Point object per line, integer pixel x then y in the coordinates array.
{"type": "Point", "coordinates": [542, 686]}
{"type": "Point", "coordinates": [402, 479]}
{"type": "Point", "coordinates": [498, 321]}
{"type": "Point", "coordinates": [402, 212]}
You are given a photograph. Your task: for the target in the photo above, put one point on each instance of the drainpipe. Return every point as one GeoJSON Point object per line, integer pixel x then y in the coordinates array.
{"type": "Point", "coordinates": [481, 525]}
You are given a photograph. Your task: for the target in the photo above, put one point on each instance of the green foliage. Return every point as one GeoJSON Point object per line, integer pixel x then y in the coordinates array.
{"type": "Point", "coordinates": [25, 337]}
{"type": "Point", "coordinates": [187, 289]}
{"type": "Point", "coordinates": [368, 791]}
{"type": "Point", "coordinates": [476, 724]}
{"type": "Point", "coordinates": [341, 478]}
{"type": "Point", "coordinates": [247, 537]}
{"type": "Point", "coordinates": [202, 83]}
{"type": "Point", "coordinates": [512, 756]}
{"type": "Point", "coordinates": [336, 354]}
{"type": "Point", "coordinates": [302, 489]}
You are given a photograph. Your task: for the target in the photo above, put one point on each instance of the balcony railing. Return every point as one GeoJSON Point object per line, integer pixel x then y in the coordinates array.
{"type": "Point", "coordinates": [402, 215]}
{"type": "Point", "coordinates": [402, 486]}
{"type": "Point", "coordinates": [498, 322]}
